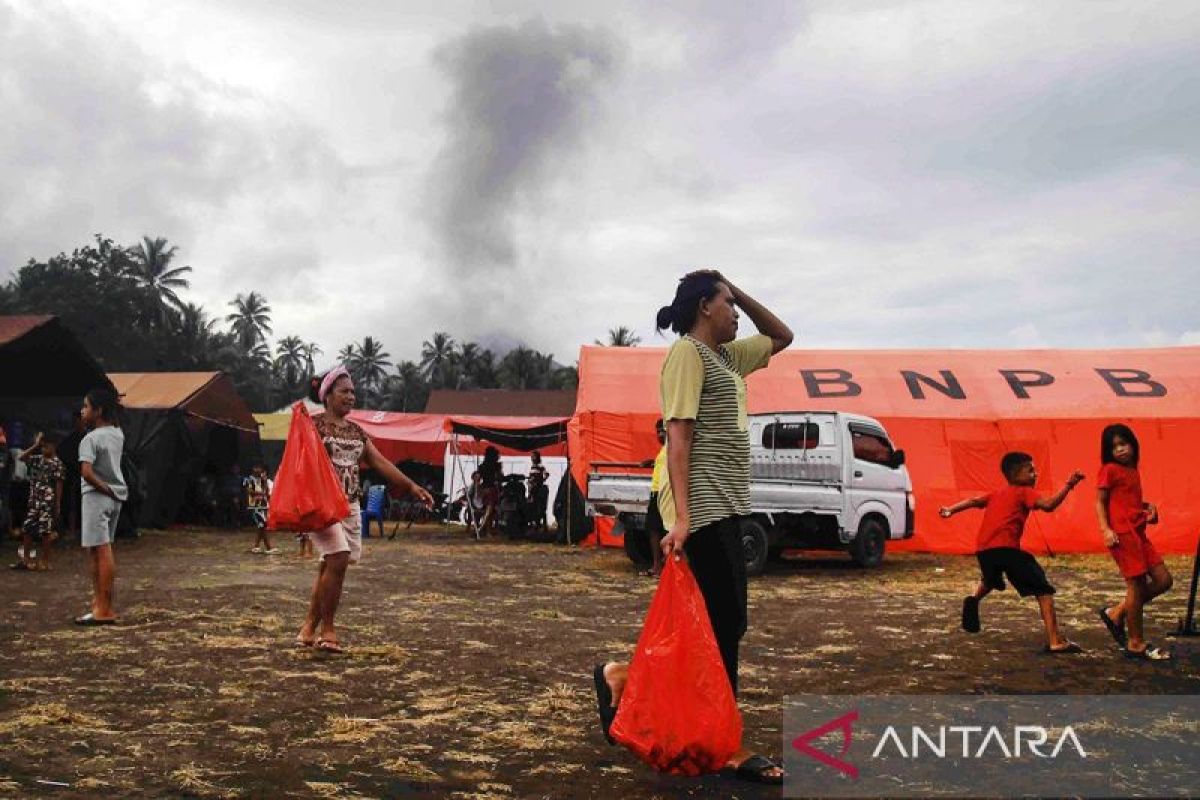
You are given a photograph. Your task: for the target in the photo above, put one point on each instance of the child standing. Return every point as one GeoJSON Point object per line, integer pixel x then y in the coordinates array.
{"type": "Point", "coordinates": [998, 545]}
{"type": "Point", "coordinates": [1124, 516]}
{"type": "Point", "coordinates": [45, 501]}
{"type": "Point", "coordinates": [103, 491]}
{"type": "Point", "coordinates": [258, 497]}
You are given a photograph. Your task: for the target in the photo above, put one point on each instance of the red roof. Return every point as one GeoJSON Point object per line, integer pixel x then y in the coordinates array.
{"type": "Point", "coordinates": [12, 328]}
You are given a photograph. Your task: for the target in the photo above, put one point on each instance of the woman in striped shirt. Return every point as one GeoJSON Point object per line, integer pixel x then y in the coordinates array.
{"type": "Point", "coordinates": [707, 492]}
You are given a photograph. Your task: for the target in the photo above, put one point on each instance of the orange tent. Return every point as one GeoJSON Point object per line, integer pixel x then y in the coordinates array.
{"type": "Point", "coordinates": [955, 412]}
{"type": "Point", "coordinates": [423, 437]}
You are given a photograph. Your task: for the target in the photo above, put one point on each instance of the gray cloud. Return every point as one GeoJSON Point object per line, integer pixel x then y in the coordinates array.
{"type": "Point", "coordinates": [522, 98]}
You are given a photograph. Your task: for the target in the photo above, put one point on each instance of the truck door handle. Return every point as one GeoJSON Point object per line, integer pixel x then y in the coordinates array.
{"type": "Point", "coordinates": [858, 473]}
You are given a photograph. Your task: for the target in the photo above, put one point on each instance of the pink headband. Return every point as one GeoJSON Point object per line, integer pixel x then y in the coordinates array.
{"type": "Point", "coordinates": [330, 379]}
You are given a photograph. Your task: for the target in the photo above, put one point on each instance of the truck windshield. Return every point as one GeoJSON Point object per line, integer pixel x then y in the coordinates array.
{"type": "Point", "coordinates": [871, 446]}
{"type": "Point", "coordinates": [791, 436]}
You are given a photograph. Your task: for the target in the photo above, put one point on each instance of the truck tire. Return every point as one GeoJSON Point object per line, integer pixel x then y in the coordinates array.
{"type": "Point", "coordinates": [869, 543]}
{"type": "Point", "coordinates": [755, 547]}
{"type": "Point", "coordinates": [637, 545]}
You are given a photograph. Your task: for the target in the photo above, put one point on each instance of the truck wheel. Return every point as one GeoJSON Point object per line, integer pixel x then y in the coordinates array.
{"type": "Point", "coordinates": [869, 543]}
{"type": "Point", "coordinates": [637, 546]}
{"type": "Point", "coordinates": [755, 547]}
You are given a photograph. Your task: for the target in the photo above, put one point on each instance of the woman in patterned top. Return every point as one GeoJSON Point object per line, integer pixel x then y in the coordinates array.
{"type": "Point", "coordinates": [707, 489]}
{"type": "Point", "coordinates": [340, 544]}
{"type": "Point", "coordinates": [45, 499]}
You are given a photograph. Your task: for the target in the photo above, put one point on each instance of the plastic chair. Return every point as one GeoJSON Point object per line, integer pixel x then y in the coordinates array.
{"type": "Point", "coordinates": [373, 510]}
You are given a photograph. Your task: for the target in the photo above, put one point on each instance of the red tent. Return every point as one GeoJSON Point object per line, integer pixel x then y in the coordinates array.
{"type": "Point", "coordinates": [955, 412]}
{"type": "Point", "coordinates": [423, 437]}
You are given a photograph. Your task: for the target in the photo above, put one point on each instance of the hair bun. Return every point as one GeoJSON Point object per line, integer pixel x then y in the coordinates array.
{"type": "Point", "coordinates": [666, 316]}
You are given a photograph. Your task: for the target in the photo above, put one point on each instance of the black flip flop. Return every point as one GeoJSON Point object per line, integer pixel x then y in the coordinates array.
{"type": "Point", "coordinates": [89, 620]}
{"type": "Point", "coordinates": [1114, 630]}
{"type": "Point", "coordinates": [970, 614]}
{"type": "Point", "coordinates": [1070, 649]}
{"type": "Point", "coordinates": [19, 565]}
{"type": "Point", "coordinates": [604, 702]}
{"type": "Point", "coordinates": [754, 770]}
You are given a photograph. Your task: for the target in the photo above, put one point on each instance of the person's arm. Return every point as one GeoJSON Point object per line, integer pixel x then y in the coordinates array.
{"type": "Point", "coordinates": [679, 454]}
{"type": "Point", "coordinates": [394, 476]}
{"type": "Point", "coordinates": [767, 323]}
{"type": "Point", "coordinates": [1051, 503]}
{"type": "Point", "coordinates": [37, 443]}
{"type": "Point", "coordinates": [89, 475]}
{"type": "Point", "coordinates": [1110, 538]}
{"type": "Point", "coordinates": [974, 502]}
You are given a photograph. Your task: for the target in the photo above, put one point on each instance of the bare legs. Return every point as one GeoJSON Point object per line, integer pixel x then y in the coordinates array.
{"type": "Point", "coordinates": [1138, 592]}
{"type": "Point", "coordinates": [326, 595]}
{"type": "Point", "coordinates": [104, 571]}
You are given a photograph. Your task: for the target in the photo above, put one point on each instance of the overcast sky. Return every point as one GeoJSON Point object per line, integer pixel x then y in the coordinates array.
{"type": "Point", "coordinates": [882, 174]}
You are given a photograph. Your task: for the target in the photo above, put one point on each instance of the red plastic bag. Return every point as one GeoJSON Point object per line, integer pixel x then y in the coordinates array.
{"type": "Point", "coordinates": [307, 495]}
{"type": "Point", "coordinates": [677, 712]}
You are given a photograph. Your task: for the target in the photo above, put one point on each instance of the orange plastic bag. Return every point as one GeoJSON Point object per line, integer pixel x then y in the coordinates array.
{"type": "Point", "coordinates": [677, 712]}
{"type": "Point", "coordinates": [307, 495]}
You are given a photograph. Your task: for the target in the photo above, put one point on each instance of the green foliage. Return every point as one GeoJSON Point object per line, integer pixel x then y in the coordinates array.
{"type": "Point", "coordinates": [124, 304]}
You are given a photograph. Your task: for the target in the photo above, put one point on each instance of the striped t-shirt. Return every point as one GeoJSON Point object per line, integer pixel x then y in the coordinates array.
{"type": "Point", "coordinates": [708, 386]}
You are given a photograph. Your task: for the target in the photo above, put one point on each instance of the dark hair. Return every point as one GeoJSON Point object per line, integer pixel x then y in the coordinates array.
{"type": "Point", "coordinates": [680, 316]}
{"type": "Point", "coordinates": [491, 454]}
{"type": "Point", "coordinates": [1108, 439]}
{"type": "Point", "coordinates": [537, 453]}
{"type": "Point", "coordinates": [105, 401]}
{"type": "Point", "coordinates": [314, 386]}
{"type": "Point", "coordinates": [1012, 461]}
{"type": "Point", "coordinates": [49, 437]}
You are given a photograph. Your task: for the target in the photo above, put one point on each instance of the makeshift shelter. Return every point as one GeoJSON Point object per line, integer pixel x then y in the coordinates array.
{"type": "Point", "coordinates": [515, 438]}
{"type": "Point", "coordinates": [955, 413]}
{"type": "Point", "coordinates": [180, 427]}
{"type": "Point", "coordinates": [44, 373]}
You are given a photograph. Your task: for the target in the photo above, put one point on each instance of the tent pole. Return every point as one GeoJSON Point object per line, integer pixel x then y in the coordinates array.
{"type": "Point", "coordinates": [1187, 625]}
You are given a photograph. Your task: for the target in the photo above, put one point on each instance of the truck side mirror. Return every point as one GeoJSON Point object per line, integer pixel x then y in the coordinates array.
{"type": "Point", "coordinates": [897, 459]}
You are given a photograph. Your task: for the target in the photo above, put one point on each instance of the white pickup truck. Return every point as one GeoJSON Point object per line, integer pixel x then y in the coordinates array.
{"type": "Point", "coordinates": [819, 480]}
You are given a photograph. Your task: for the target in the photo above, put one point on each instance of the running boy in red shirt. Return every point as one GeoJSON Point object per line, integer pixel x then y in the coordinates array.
{"type": "Point", "coordinates": [998, 545]}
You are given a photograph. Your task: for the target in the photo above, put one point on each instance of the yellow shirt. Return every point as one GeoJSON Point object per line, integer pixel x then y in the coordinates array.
{"type": "Point", "coordinates": [708, 386]}
{"type": "Point", "coordinates": [658, 478]}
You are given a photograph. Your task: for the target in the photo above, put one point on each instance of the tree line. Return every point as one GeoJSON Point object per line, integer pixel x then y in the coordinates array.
{"type": "Point", "coordinates": [125, 305]}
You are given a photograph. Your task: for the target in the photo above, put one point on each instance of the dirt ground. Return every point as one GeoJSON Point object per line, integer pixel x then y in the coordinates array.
{"type": "Point", "coordinates": [469, 670]}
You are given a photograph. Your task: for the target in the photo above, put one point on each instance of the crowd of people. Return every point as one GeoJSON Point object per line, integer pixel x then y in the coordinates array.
{"type": "Point", "coordinates": [700, 494]}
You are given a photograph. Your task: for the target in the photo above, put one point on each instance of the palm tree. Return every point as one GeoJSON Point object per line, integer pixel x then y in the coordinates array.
{"type": "Point", "coordinates": [436, 357]}
{"type": "Point", "coordinates": [407, 387]}
{"type": "Point", "coordinates": [310, 351]}
{"type": "Point", "coordinates": [467, 363]}
{"type": "Point", "coordinates": [153, 272]}
{"type": "Point", "coordinates": [621, 337]}
{"type": "Point", "coordinates": [372, 363]}
{"type": "Point", "coordinates": [348, 357]}
{"type": "Point", "coordinates": [520, 369]}
{"type": "Point", "coordinates": [290, 359]}
{"type": "Point", "coordinates": [195, 337]}
{"type": "Point", "coordinates": [251, 321]}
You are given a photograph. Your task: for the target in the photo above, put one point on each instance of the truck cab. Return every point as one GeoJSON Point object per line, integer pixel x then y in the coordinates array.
{"type": "Point", "coordinates": [818, 480]}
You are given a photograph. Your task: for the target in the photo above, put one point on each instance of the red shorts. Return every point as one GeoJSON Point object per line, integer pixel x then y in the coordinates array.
{"type": "Point", "coordinates": [1134, 554]}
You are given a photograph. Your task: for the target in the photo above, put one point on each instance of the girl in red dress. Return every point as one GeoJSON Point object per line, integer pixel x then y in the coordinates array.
{"type": "Point", "coordinates": [1124, 516]}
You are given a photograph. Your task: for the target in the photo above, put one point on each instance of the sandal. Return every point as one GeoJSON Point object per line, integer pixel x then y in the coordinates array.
{"type": "Point", "coordinates": [1058, 651]}
{"type": "Point", "coordinates": [304, 642]}
{"type": "Point", "coordinates": [1151, 653]}
{"type": "Point", "coordinates": [329, 646]}
{"type": "Point", "coordinates": [755, 769]}
{"type": "Point", "coordinates": [1116, 631]}
{"type": "Point", "coordinates": [89, 619]}
{"type": "Point", "coordinates": [19, 565]}
{"type": "Point", "coordinates": [604, 703]}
